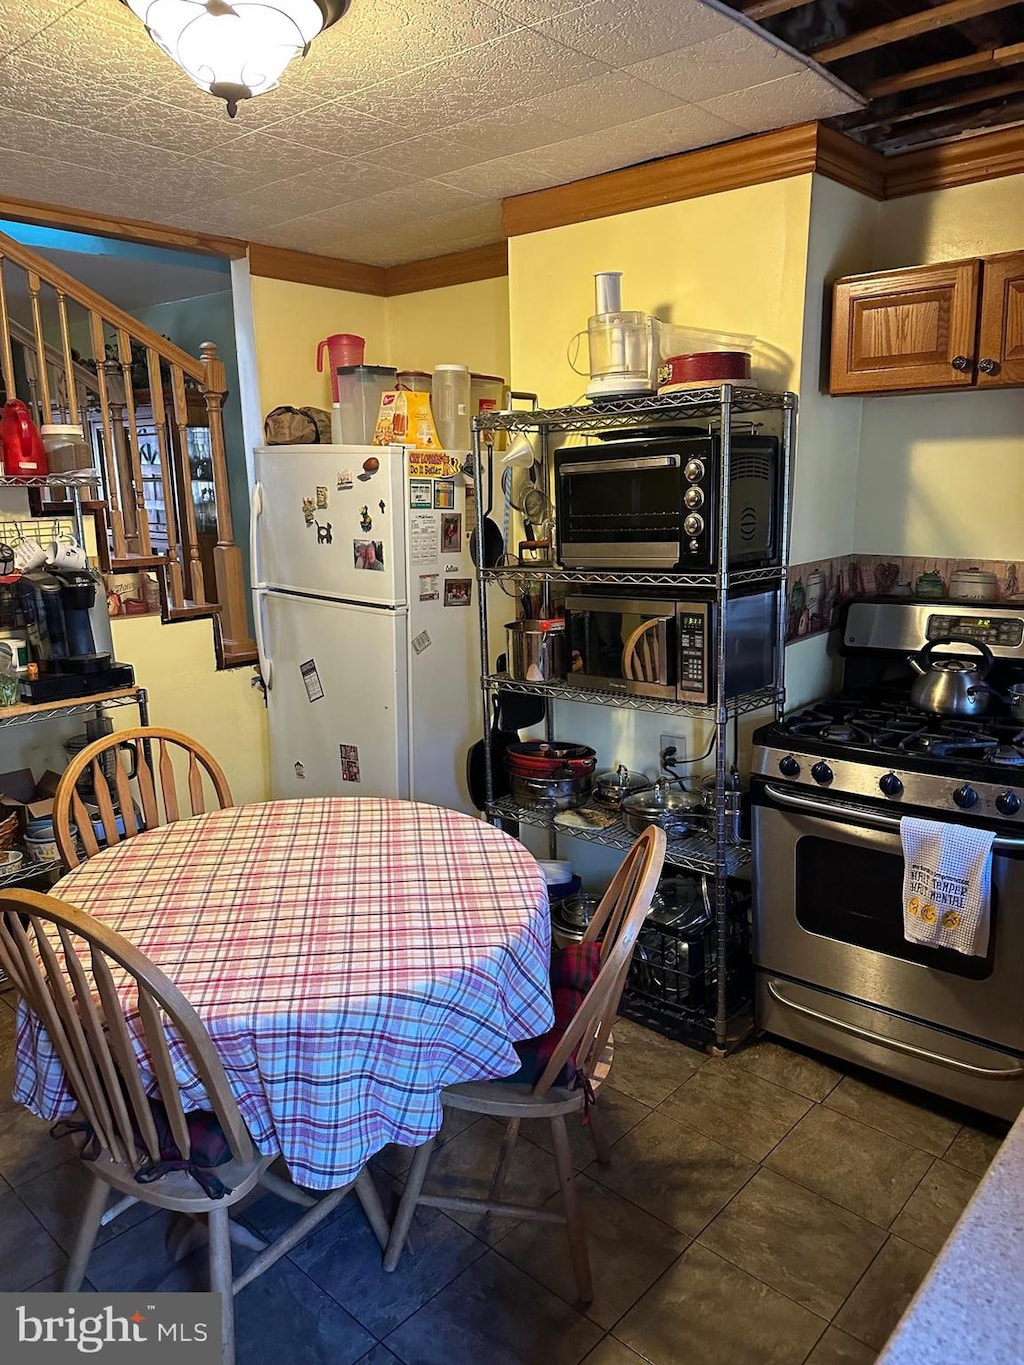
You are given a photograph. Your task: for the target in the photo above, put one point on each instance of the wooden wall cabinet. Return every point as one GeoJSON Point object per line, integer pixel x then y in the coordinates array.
{"type": "Point", "coordinates": [955, 325]}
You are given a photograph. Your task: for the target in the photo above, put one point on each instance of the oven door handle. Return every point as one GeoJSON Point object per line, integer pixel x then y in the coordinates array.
{"type": "Point", "coordinates": [621, 466]}
{"type": "Point", "coordinates": [865, 817]}
{"type": "Point", "coordinates": [991, 1073]}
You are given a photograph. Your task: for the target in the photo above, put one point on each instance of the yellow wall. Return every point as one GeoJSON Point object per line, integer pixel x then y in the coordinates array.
{"type": "Point", "coordinates": [943, 474]}
{"type": "Point", "coordinates": [462, 324]}
{"type": "Point", "coordinates": [733, 261]}
{"type": "Point", "coordinates": [290, 319]}
{"type": "Point", "coordinates": [221, 709]}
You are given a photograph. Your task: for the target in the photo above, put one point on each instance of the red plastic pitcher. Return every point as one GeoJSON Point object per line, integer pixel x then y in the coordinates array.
{"type": "Point", "coordinates": [344, 348]}
{"type": "Point", "coordinates": [20, 442]}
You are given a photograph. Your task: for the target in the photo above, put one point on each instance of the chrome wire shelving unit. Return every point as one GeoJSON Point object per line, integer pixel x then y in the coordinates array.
{"type": "Point", "coordinates": [725, 410]}
{"type": "Point", "coordinates": [25, 713]}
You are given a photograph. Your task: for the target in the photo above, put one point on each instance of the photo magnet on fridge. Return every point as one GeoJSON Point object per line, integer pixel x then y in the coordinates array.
{"type": "Point", "coordinates": [451, 532]}
{"type": "Point", "coordinates": [458, 592]}
{"type": "Point", "coordinates": [344, 479]}
{"type": "Point", "coordinates": [349, 754]}
{"type": "Point", "coordinates": [321, 496]}
{"type": "Point", "coordinates": [368, 554]}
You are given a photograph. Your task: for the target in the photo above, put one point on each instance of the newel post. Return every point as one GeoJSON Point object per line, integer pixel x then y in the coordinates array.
{"type": "Point", "coordinates": [227, 558]}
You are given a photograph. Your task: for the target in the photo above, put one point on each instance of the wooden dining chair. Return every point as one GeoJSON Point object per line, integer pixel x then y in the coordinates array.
{"type": "Point", "coordinates": [69, 969]}
{"type": "Point", "coordinates": [153, 753]}
{"type": "Point", "coordinates": [588, 1039]}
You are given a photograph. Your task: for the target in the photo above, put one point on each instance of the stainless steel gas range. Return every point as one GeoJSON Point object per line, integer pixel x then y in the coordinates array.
{"type": "Point", "coordinates": [829, 786]}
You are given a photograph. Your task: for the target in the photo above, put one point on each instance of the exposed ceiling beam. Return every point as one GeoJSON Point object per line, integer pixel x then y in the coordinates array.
{"type": "Point", "coordinates": [767, 9]}
{"type": "Point", "coordinates": [895, 30]}
{"type": "Point", "coordinates": [943, 128]}
{"type": "Point", "coordinates": [981, 94]}
{"type": "Point", "coordinates": [946, 71]}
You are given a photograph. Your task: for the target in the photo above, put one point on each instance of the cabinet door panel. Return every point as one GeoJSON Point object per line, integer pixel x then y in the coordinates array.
{"type": "Point", "coordinates": [905, 329]}
{"type": "Point", "coordinates": [1001, 338]}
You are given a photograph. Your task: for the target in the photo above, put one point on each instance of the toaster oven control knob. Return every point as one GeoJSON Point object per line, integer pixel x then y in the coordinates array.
{"type": "Point", "coordinates": [965, 797]}
{"type": "Point", "coordinates": [693, 470]}
{"type": "Point", "coordinates": [694, 498]}
{"type": "Point", "coordinates": [890, 785]}
{"type": "Point", "coordinates": [1008, 804]}
{"type": "Point", "coordinates": [693, 524]}
{"type": "Point", "coordinates": [822, 773]}
{"type": "Point", "coordinates": [789, 767]}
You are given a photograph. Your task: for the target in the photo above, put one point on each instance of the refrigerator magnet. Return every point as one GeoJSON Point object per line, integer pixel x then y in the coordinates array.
{"type": "Point", "coordinates": [308, 508]}
{"type": "Point", "coordinates": [430, 590]}
{"type": "Point", "coordinates": [321, 497]}
{"type": "Point", "coordinates": [368, 554]}
{"type": "Point", "coordinates": [421, 495]}
{"type": "Point", "coordinates": [423, 538]}
{"type": "Point", "coordinates": [444, 493]}
{"type": "Point", "coordinates": [323, 534]}
{"type": "Point", "coordinates": [458, 592]}
{"type": "Point", "coordinates": [421, 642]}
{"type": "Point", "coordinates": [349, 754]}
{"type": "Point", "coordinates": [311, 680]}
{"type": "Point", "coordinates": [381, 505]}
{"type": "Point", "coordinates": [451, 532]}
{"type": "Point", "coordinates": [344, 479]}
{"type": "Point", "coordinates": [365, 520]}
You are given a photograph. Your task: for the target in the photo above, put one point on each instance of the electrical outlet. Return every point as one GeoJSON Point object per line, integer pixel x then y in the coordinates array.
{"type": "Point", "coordinates": [667, 742]}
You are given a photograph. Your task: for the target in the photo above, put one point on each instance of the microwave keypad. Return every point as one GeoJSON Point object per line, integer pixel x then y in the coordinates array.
{"type": "Point", "coordinates": [691, 652]}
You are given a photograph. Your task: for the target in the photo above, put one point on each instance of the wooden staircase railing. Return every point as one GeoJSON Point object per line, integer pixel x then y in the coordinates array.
{"type": "Point", "coordinates": [55, 332]}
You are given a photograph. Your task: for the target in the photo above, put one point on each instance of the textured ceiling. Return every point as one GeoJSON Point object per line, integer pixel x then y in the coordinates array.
{"type": "Point", "coordinates": [397, 137]}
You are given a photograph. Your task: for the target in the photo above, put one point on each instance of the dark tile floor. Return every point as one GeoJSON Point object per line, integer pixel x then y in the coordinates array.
{"type": "Point", "coordinates": [768, 1209]}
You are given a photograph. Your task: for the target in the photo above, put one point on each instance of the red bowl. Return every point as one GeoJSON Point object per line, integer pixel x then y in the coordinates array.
{"type": "Point", "coordinates": [541, 758]}
{"type": "Point", "coordinates": [703, 367]}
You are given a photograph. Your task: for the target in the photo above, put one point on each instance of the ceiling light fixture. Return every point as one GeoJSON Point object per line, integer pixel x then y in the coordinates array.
{"type": "Point", "coordinates": [239, 49]}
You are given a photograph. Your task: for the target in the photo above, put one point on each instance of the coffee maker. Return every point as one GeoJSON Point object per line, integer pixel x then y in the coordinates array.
{"type": "Point", "coordinates": [69, 636]}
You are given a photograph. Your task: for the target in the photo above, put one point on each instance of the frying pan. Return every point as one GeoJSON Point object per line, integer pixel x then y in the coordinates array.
{"type": "Point", "coordinates": [492, 541]}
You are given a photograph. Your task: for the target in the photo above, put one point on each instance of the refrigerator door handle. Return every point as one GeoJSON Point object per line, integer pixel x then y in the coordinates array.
{"type": "Point", "coordinates": [255, 511]}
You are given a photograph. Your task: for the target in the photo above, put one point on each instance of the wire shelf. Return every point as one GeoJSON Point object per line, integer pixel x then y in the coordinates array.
{"type": "Point", "coordinates": [611, 414]}
{"type": "Point", "coordinates": [698, 852]}
{"type": "Point", "coordinates": [28, 872]}
{"type": "Point", "coordinates": [81, 479]}
{"type": "Point", "coordinates": [635, 579]}
{"type": "Point", "coordinates": [625, 701]}
{"type": "Point", "coordinates": [27, 712]}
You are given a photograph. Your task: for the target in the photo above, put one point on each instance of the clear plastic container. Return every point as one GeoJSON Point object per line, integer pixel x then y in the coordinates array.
{"type": "Point", "coordinates": [416, 381]}
{"type": "Point", "coordinates": [450, 402]}
{"type": "Point", "coordinates": [620, 353]}
{"type": "Point", "coordinates": [359, 393]}
{"type": "Point", "coordinates": [66, 449]}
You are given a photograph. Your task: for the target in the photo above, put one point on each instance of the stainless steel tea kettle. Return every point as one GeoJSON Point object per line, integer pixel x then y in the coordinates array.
{"type": "Point", "coordinates": [949, 685]}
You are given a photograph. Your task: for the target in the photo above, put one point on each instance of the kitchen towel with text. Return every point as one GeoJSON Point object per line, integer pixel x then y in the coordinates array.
{"type": "Point", "coordinates": [947, 881]}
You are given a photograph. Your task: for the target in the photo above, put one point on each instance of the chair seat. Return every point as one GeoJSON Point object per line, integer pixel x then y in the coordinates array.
{"type": "Point", "coordinates": [511, 1100]}
{"type": "Point", "coordinates": [178, 1189]}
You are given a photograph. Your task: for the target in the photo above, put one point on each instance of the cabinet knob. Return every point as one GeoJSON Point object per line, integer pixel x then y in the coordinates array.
{"type": "Point", "coordinates": [961, 362]}
{"type": "Point", "coordinates": [988, 366]}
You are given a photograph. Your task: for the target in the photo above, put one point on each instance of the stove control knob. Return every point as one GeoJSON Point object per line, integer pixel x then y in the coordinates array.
{"type": "Point", "coordinates": [693, 524]}
{"type": "Point", "coordinates": [693, 470]}
{"type": "Point", "coordinates": [890, 785]}
{"type": "Point", "coordinates": [965, 797]}
{"type": "Point", "coordinates": [693, 497]}
{"type": "Point", "coordinates": [1008, 804]}
{"type": "Point", "coordinates": [789, 767]}
{"type": "Point", "coordinates": [822, 773]}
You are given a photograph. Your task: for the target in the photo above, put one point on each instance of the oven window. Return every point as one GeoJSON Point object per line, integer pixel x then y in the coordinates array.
{"type": "Point", "coordinates": [855, 895]}
{"type": "Point", "coordinates": [621, 508]}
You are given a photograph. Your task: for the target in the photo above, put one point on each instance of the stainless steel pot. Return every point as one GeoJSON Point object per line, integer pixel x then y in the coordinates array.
{"type": "Point", "coordinates": [552, 793]}
{"type": "Point", "coordinates": [536, 650]}
{"type": "Point", "coordinates": [736, 803]}
{"type": "Point", "coordinates": [613, 786]}
{"type": "Point", "coordinates": [673, 810]}
{"type": "Point", "coordinates": [949, 685]}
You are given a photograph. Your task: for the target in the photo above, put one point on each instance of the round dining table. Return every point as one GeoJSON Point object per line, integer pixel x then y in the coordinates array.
{"type": "Point", "coordinates": [350, 957]}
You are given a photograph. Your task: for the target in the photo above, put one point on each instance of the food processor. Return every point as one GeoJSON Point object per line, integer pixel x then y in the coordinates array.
{"type": "Point", "coordinates": [623, 345]}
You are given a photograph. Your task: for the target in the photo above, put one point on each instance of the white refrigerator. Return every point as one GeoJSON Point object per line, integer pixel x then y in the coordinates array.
{"type": "Point", "coordinates": [366, 620]}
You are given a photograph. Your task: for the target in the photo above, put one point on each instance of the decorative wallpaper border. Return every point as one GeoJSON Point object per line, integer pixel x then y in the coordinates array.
{"type": "Point", "coordinates": [819, 589]}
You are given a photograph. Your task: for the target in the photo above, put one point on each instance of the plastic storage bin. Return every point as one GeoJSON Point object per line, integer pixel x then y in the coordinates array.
{"type": "Point", "coordinates": [451, 405]}
{"type": "Point", "coordinates": [415, 381]}
{"type": "Point", "coordinates": [66, 449]}
{"type": "Point", "coordinates": [359, 393]}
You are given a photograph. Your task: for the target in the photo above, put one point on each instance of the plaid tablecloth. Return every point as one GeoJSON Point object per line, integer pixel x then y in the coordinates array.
{"type": "Point", "coordinates": [349, 957]}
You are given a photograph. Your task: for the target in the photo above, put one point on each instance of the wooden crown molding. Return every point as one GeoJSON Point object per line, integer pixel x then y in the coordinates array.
{"type": "Point", "coordinates": [989, 156]}
{"type": "Point", "coordinates": [689, 175]}
{"type": "Point", "coordinates": [850, 163]}
{"type": "Point", "coordinates": [460, 267]}
{"type": "Point", "coordinates": [302, 267]}
{"type": "Point", "coordinates": [125, 229]}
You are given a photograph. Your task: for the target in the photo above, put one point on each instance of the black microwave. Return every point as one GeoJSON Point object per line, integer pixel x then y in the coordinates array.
{"type": "Point", "coordinates": [652, 503]}
{"type": "Point", "coordinates": [653, 647]}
